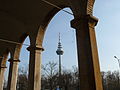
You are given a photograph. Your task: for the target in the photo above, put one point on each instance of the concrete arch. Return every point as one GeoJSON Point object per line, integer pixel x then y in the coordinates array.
{"type": "Point", "coordinates": [51, 14]}
{"type": "Point", "coordinates": [4, 58]}
{"type": "Point", "coordinates": [13, 67]}
{"type": "Point", "coordinates": [77, 10]}
{"type": "Point", "coordinates": [82, 7]}
{"type": "Point", "coordinates": [23, 37]}
{"type": "Point", "coordinates": [36, 40]}
{"type": "Point", "coordinates": [42, 28]}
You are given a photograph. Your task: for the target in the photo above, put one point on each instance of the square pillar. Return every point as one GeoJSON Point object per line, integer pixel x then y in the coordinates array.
{"type": "Point", "coordinates": [2, 71]}
{"type": "Point", "coordinates": [13, 73]}
{"type": "Point", "coordinates": [34, 77]}
{"type": "Point", "coordinates": [88, 62]}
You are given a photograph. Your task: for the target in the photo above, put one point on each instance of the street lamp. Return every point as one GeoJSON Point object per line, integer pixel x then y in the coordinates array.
{"type": "Point", "coordinates": [118, 60]}
{"type": "Point", "coordinates": [119, 67]}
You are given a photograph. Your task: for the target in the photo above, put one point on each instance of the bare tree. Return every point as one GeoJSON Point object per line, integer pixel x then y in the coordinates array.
{"type": "Point", "coordinates": [111, 80]}
{"type": "Point", "coordinates": [22, 81]}
{"type": "Point", "coordinates": [49, 75]}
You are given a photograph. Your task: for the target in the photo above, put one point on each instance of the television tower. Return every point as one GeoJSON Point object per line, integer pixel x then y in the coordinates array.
{"type": "Point", "coordinates": [59, 53]}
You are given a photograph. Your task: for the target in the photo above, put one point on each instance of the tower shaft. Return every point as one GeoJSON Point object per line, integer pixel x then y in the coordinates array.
{"type": "Point", "coordinates": [59, 65]}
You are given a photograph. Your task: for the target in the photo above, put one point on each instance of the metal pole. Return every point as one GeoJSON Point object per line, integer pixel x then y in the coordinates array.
{"type": "Point", "coordinates": [119, 62]}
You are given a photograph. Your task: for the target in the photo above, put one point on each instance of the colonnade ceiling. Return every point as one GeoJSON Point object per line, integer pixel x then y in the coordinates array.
{"type": "Point", "coordinates": [19, 17]}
